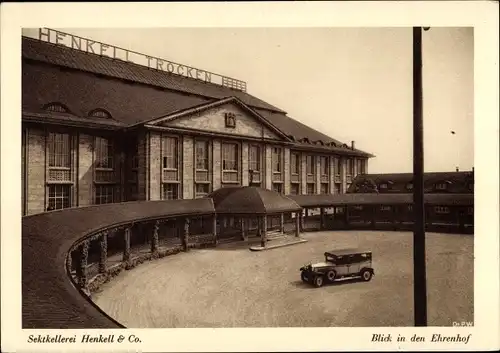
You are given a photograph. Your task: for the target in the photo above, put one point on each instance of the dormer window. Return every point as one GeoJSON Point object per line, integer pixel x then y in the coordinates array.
{"type": "Point", "coordinates": [409, 186]}
{"type": "Point", "coordinates": [100, 113]}
{"type": "Point", "coordinates": [230, 120]}
{"type": "Point", "coordinates": [442, 185]}
{"type": "Point", "coordinates": [56, 107]}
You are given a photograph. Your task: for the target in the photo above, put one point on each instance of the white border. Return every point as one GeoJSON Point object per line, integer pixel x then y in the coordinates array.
{"type": "Point", "coordinates": [482, 15]}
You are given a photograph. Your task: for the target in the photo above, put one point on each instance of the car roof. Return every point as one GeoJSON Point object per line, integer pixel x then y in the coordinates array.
{"type": "Point", "coordinates": [348, 251]}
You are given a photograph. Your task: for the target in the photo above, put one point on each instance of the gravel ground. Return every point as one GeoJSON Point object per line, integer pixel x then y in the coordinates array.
{"type": "Point", "coordinates": [230, 286]}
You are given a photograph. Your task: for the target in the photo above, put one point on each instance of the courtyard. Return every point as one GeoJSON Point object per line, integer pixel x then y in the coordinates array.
{"type": "Point", "coordinates": [230, 286]}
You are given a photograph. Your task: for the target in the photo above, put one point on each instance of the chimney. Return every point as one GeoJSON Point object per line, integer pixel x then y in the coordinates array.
{"type": "Point", "coordinates": [353, 144]}
{"type": "Point", "coordinates": [456, 169]}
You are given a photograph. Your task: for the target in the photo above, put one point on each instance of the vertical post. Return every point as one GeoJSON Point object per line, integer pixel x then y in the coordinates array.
{"type": "Point", "coordinates": [154, 238]}
{"type": "Point", "coordinates": [419, 270]}
{"type": "Point", "coordinates": [126, 244]}
{"type": "Point", "coordinates": [301, 217]}
{"type": "Point", "coordinates": [214, 228]}
{"type": "Point", "coordinates": [282, 223]}
{"type": "Point", "coordinates": [321, 218]}
{"type": "Point", "coordinates": [263, 233]}
{"type": "Point", "coordinates": [84, 254]}
{"type": "Point", "coordinates": [243, 228]}
{"type": "Point", "coordinates": [297, 223]}
{"type": "Point", "coordinates": [185, 235]}
{"type": "Point", "coordinates": [103, 253]}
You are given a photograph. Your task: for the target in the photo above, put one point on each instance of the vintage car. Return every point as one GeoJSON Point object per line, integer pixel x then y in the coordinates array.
{"type": "Point", "coordinates": [339, 264]}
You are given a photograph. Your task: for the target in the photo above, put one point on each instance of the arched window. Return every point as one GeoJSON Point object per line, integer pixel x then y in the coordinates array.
{"type": "Point", "coordinates": [100, 113]}
{"type": "Point", "coordinates": [56, 107]}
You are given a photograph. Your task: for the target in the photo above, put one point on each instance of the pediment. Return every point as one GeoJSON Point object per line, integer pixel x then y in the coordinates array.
{"type": "Point", "coordinates": [229, 117]}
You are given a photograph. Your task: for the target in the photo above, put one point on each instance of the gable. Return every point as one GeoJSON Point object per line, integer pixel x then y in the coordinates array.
{"type": "Point", "coordinates": [214, 120]}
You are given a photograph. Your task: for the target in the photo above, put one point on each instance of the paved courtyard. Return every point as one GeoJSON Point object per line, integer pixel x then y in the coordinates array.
{"type": "Point", "coordinates": [230, 286]}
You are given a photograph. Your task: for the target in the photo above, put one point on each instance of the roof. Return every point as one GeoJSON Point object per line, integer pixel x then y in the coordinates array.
{"type": "Point", "coordinates": [348, 251]}
{"type": "Point", "coordinates": [46, 240]}
{"type": "Point", "coordinates": [251, 200]}
{"type": "Point", "coordinates": [135, 94]}
{"type": "Point", "coordinates": [329, 200]}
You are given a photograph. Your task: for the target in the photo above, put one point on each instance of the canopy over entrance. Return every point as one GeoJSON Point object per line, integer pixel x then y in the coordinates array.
{"type": "Point", "coordinates": [247, 200]}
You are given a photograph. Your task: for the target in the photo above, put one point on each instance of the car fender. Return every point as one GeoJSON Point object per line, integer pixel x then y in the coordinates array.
{"type": "Point", "coordinates": [368, 269]}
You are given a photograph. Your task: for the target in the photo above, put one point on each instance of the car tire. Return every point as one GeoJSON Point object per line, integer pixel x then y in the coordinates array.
{"type": "Point", "coordinates": [366, 275]}
{"type": "Point", "coordinates": [318, 281]}
{"type": "Point", "coordinates": [331, 275]}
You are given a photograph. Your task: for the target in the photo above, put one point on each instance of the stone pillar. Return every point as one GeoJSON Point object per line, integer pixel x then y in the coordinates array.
{"type": "Point", "coordinates": [322, 218]}
{"type": "Point", "coordinates": [154, 238]}
{"type": "Point", "coordinates": [82, 266]}
{"type": "Point", "coordinates": [214, 228]}
{"type": "Point", "coordinates": [263, 234]}
{"type": "Point", "coordinates": [282, 223]}
{"type": "Point", "coordinates": [126, 241]}
{"type": "Point", "coordinates": [298, 216]}
{"type": "Point", "coordinates": [103, 253]}
{"type": "Point", "coordinates": [185, 235]}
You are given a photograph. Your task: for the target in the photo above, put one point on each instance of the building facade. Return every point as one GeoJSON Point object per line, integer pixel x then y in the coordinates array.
{"type": "Point", "coordinates": [99, 130]}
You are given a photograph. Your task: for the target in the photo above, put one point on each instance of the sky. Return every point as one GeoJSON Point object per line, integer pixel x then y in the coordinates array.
{"type": "Point", "coordinates": [349, 83]}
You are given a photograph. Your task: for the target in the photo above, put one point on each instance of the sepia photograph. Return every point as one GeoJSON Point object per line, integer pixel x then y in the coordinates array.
{"type": "Point", "coordinates": [274, 194]}
{"type": "Point", "coordinates": [229, 181]}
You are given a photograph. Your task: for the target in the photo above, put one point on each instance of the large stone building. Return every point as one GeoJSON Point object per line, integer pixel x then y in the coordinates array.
{"type": "Point", "coordinates": [97, 129]}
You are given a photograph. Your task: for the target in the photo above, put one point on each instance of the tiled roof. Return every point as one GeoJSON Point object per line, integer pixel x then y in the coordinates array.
{"type": "Point", "coordinates": [49, 298]}
{"type": "Point", "coordinates": [327, 200]}
{"type": "Point", "coordinates": [134, 94]}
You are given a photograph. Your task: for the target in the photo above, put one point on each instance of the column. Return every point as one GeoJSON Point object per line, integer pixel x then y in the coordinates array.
{"type": "Point", "coordinates": [214, 229]}
{"type": "Point", "coordinates": [298, 216]}
{"type": "Point", "coordinates": [243, 228]}
{"type": "Point", "coordinates": [185, 235]}
{"type": "Point", "coordinates": [103, 253]}
{"type": "Point", "coordinates": [282, 223]}
{"type": "Point", "coordinates": [301, 218]}
{"type": "Point", "coordinates": [322, 218]}
{"type": "Point", "coordinates": [82, 266]}
{"type": "Point", "coordinates": [154, 238]}
{"type": "Point", "coordinates": [263, 234]}
{"type": "Point", "coordinates": [126, 247]}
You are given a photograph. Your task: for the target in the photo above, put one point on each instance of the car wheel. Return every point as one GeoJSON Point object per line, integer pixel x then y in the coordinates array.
{"type": "Point", "coordinates": [318, 281]}
{"type": "Point", "coordinates": [331, 275]}
{"type": "Point", "coordinates": [366, 275]}
{"type": "Point", "coordinates": [303, 276]}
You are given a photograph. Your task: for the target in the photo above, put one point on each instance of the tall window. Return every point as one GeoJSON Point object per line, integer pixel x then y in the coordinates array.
{"type": "Point", "coordinates": [310, 188]}
{"type": "Point", "coordinates": [104, 194]}
{"type": "Point", "coordinates": [170, 191]}
{"type": "Point", "coordinates": [201, 155]}
{"type": "Point", "coordinates": [294, 163]}
{"type": "Point", "coordinates": [254, 158]}
{"type": "Point", "coordinates": [59, 150]}
{"type": "Point", "coordinates": [104, 153]}
{"type": "Point", "coordinates": [170, 153]}
{"type": "Point", "coordinates": [202, 189]}
{"type": "Point", "coordinates": [324, 188]}
{"type": "Point", "coordinates": [310, 165]}
{"type": "Point", "coordinates": [59, 196]}
{"type": "Point", "coordinates": [338, 166]}
{"type": "Point", "coordinates": [350, 167]}
{"type": "Point", "coordinates": [362, 165]}
{"type": "Point", "coordinates": [324, 165]}
{"type": "Point", "coordinates": [278, 187]}
{"type": "Point", "coordinates": [337, 188]}
{"type": "Point", "coordinates": [294, 189]}
{"type": "Point", "coordinates": [229, 156]}
{"type": "Point", "coordinates": [277, 159]}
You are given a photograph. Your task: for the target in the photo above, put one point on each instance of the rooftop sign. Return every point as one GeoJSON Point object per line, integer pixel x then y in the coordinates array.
{"type": "Point", "coordinates": [94, 47]}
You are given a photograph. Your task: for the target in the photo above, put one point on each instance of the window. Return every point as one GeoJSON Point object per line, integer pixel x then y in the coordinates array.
{"type": "Point", "coordinates": [441, 210]}
{"type": "Point", "coordinates": [383, 186]}
{"type": "Point", "coordinates": [254, 158]}
{"type": "Point", "coordinates": [170, 152]}
{"type": "Point", "coordinates": [410, 207]}
{"type": "Point", "coordinates": [310, 165]}
{"type": "Point", "coordinates": [294, 189]}
{"type": "Point", "coordinates": [324, 188]}
{"type": "Point", "coordinates": [100, 113]}
{"type": "Point", "coordinates": [358, 208]}
{"type": "Point", "coordinates": [104, 153]}
{"type": "Point", "coordinates": [324, 165]}
{"type": "Point", "coordinates": [276, 160]}
{"type": "Point", "coordinates": [56, 107]}
{"type": "Point", "coordinates": [350, 167]}
{"type": "Point", "coordinates": [338, 188]}
{"type": "Point", "coordinates": [230, 120]}
{"type": "Point", "coordinates": [361, 166]}
{"type": "Point", "coordinates": [104, 194]}
{"type": "Point", "coordinates": [338, 166]}
{"type": "Point", "coordinates": [441, 186]}
{"type": "Point", "coordinates": [202, 190]}
{"type": "Point", "coordinates": [385, 208]}
{"type": "Point", "coordinates": [59, 150]}
{"type": "Point", "coordinates": [310, 189]}
{"type": "Point", "coordinates": [133, 192]}
{"type": "Point", "coordinates": [278, 187]}
{"type": "Point", "coordinates": [201, 148]}
{"type": "Point", "coordinates": [294, 163]}
{"type": "Point", "coordinates": [230, 156]}
{"type": "Point", "coordinates": [170, 191]}
{"type": "Point", "coordinates": [59, 197]}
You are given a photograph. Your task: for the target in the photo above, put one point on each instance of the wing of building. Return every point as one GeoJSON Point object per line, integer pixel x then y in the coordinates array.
{"type": "Point", "coordinates": [100, 130]}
